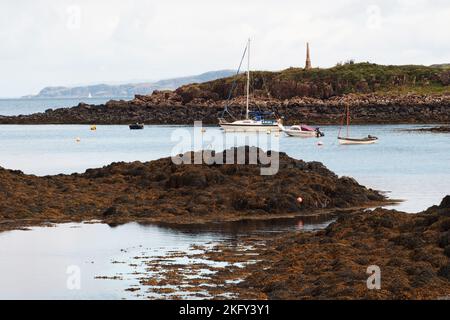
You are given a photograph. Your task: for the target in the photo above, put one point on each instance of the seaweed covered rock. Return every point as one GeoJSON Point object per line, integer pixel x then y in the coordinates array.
{"type": "Point", "coordinates": [162, 190]}
{"type": "Point", "coordinates": [410, 250]}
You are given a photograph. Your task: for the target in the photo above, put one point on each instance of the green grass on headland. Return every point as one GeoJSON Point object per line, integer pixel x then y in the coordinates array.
{"type": "Point", "coordinates": [325, 83]}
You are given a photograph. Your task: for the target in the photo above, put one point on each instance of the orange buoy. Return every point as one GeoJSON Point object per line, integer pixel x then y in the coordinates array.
{"type": "Point", "coordinates": [299, 199]}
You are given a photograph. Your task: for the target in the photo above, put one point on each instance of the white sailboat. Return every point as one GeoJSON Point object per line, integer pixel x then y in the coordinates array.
{"type": "Point", "coordinates": [254, 121]}
{"type": "Point", "coordinates": [348, 140]}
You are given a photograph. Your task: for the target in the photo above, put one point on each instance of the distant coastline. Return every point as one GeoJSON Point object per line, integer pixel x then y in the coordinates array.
{"type": "Point", "coordinates": [126, 90]}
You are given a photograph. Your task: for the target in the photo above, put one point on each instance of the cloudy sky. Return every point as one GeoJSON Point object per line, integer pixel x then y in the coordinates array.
{"type": "Point", "coordinates": [67, 42]}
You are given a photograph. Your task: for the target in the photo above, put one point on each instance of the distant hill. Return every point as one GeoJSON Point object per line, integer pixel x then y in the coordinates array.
{"type": "Point", "coordinates": [326, 83]}
{"type": "Point", "coordinates": [128, 90]}
{"type": "Point", "coordinates": [442, 66]}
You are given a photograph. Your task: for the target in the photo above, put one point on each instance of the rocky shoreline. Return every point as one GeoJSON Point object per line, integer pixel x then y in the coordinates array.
{"type": "Point", "coordinates": [435, 129]}
{"type": "Point", "coordinates": [412, 252]}
{"type": "Point", "coordinates": [162, 191]}
{"type": "Point", "coordinates": [171, 107]}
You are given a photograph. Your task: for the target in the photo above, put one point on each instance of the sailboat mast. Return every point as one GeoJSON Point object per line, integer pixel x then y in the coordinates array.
{"type": "Point", "coordinates": [248, 78]}
{"type": "Point", "coordinates": [348, 120]}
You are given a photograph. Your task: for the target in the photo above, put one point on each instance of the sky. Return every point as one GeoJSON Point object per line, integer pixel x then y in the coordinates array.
{"type": "Point", "coordinates": [69, 42]}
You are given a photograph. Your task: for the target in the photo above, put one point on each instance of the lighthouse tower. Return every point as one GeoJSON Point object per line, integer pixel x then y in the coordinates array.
{"type": "Point", "coordinates": [308, 58]}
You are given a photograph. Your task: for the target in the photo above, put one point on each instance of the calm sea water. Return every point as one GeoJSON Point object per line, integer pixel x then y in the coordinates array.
{"type": "Point", "coordinates": [38, 264]}
{"type": "Point", "coordinates": [12, 107]}
{"type": "Point", "coordinates": [410, 166]}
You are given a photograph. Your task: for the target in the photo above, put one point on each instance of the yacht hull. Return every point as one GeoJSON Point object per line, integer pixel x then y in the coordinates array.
{"type": "Point", "coordinates": [230, 127]}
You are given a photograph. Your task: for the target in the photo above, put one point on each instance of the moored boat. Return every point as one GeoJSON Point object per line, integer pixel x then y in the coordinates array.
{"type": "Point", "coordinates": [301, 131]}
{"type": "Point", "coordinates": [136, 126]}
{"type": "Point", "coordinates": [255, 121]}
{"type": "Point", "coordinates": [347, 140]}
{"type": "Point", "coordinates": [367, 140]}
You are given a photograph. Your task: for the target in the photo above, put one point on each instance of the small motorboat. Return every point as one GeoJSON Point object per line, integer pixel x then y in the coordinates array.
{"type": "Point", "coordinates": [301, 131]}
{"type": "Point", "coordinates": [137, 126]}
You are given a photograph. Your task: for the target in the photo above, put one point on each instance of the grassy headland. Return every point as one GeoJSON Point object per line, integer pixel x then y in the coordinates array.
{"type": "Point", "coordinates": [326, 83]}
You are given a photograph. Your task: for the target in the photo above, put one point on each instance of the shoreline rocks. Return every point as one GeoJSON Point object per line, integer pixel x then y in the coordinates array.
{"type": "Point", "coordinates": [168, 107]}
{"type": "Point", "coordinates": [412, 252]}
{"type": "Point", "coordinates": [436, 129]}
{"type": "Point", "coordinates": [161, 191]}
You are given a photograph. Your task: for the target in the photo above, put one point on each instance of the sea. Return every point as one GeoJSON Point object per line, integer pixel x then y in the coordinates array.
{"type": "Point", "coordinates": [25, 106]}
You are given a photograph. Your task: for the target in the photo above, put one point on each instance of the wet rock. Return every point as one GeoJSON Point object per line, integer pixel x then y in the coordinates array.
{"type": "Point", "coordinates": [442, 129]}
{"type": "Point", "coordinates": [407, 252]}
{"type": "Point", "coordinates": [198, 193]}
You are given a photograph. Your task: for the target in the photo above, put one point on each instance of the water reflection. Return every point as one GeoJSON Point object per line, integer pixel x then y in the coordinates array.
{"type": "Point", "coordinates": [34, 263]}
{"type": "Point", "coordinates": [257, 226]}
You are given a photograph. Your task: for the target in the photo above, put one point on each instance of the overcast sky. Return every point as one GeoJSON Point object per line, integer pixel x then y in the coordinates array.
{"type": "Point", "coordinates": [66, 42]}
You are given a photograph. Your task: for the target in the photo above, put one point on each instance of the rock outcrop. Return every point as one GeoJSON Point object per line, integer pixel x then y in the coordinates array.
{"type": "Point", "coordinates": [161, 191]}
{"type": "Point", "coordinates": [435, 129]}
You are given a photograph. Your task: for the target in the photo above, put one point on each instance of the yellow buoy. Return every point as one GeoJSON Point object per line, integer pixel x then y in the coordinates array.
{"type": "Point", "coordinates": [93, 127]}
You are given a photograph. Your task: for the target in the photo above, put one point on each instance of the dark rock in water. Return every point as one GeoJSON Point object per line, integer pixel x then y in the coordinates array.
{"type": "Point", "coordinates": [162, 190]}
{"type": "Point", "coordinates": [442, 129]}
